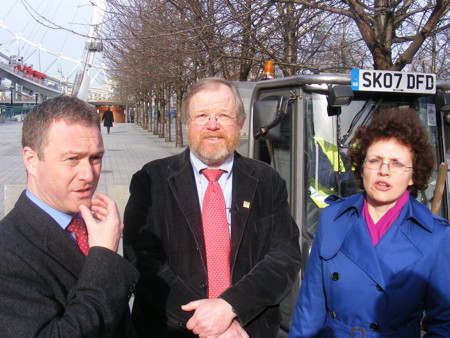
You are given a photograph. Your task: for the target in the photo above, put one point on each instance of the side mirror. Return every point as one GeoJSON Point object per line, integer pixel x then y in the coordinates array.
{"type": "Point", "coordinates": [267, 115]}
{"type": "Point", "coordinates": [339, 95]}
{"type": "Point", "coordinates": [442, 102]}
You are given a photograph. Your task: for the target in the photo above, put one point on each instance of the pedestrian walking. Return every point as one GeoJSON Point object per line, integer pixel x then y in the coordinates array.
{"type": "Point", "coordinates": [108, 119]}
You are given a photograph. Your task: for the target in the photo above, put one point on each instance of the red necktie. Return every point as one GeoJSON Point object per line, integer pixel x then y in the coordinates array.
{"type": "Point", "coordinates": [216, 234]}
{"type": "Point", "coordinates": [78, 228]}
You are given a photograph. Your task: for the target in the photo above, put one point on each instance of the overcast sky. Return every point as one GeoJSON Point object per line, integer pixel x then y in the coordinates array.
{"type": "Point", "coordinates": [57, 25]}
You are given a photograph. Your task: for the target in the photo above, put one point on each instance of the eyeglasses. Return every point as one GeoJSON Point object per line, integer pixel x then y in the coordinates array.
{"type": "Point", "coordinates": [222, 119]}
{"type": "Point", "coordinates": [394, 166]}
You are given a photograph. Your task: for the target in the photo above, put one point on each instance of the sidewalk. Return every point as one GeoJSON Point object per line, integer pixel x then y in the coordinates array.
{"type": "Point", "coordinates": [127, 148]}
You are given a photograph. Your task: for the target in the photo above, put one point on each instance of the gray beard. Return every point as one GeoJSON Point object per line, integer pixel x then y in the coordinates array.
{"type": "Point", "coordinates": [212, 159]}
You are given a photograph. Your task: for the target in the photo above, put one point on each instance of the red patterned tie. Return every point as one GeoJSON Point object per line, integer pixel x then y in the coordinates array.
{"type": "Point", "coordinates": [217, 237]}
{"type": "Point", "coordinates": [78, 228]}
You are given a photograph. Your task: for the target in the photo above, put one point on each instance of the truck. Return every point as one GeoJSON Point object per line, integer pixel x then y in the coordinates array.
{"type": "Point", "coordinates": [303, 125]}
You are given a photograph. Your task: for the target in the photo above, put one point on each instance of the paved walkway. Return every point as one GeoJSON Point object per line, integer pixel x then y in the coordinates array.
{"type": "Point", "coordinates": [128, 147]}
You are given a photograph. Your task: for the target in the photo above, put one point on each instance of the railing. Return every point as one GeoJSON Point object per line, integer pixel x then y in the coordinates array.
{"type": "Point", "coordinates": [10, 68]}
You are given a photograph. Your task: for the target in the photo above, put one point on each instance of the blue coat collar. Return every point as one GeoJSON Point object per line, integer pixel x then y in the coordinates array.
{"type": "Point", "coordinates": [412, 210]}
{"type": "Point", "coordinates": [345, 231]}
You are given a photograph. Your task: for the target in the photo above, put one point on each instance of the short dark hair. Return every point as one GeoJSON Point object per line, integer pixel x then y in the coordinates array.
{"type": "Point", "coordinates": [402, 124]}
{"type": "Point", "coordinates": [38, 121]}
{"type": "Point", "coordinates": [212, 83]}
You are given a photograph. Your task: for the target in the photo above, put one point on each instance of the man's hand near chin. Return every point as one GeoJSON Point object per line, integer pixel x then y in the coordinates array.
{"type": "Point", "coordinates": [212, 318]}
{"type": "Point", "coordinates": [103, 222]}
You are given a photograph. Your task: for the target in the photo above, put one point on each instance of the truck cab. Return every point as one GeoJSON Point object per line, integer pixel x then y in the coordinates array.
{"type": "Point", "coordinates": [303, 126]}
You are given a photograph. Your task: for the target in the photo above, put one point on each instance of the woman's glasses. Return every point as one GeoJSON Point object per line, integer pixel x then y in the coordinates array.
{"type": "Point", "coordinates": [394, 166]}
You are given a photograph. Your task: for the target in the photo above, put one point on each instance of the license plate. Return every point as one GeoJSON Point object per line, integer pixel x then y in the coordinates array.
{"type": "Point", "coordinates": [388, 81]}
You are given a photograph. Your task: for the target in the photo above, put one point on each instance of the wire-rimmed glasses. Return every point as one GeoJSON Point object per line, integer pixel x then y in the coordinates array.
{"type": "Point", "coordinates": [201, 119]}
{"type": "Point", "coordinates": [394, 166]}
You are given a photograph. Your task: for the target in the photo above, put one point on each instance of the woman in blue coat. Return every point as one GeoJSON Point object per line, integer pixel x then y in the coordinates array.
{"type": "Point", "coordinates": [380, 260]}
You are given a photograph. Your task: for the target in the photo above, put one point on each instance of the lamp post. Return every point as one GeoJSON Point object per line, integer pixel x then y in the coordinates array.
{"type": "Point", "coordinates": [12, 94]}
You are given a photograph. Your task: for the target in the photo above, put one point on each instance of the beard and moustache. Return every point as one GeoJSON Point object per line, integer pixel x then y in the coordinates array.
{"type": "Point", "coordinates": [213, 155]}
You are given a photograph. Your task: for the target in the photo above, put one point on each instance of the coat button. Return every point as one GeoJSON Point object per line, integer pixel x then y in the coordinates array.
{"type": "Point", "coordinates": [332, 314]}
{"type": "Point", "coordinates": [335, 276]}
{"type": "Point", "coordinates": [374, 326]}
{"type": "Point", "coordinates": [379, 288]}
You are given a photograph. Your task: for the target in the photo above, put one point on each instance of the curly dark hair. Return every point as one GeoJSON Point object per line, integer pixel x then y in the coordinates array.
{"type": "Point", "coordinates": [404, 125]}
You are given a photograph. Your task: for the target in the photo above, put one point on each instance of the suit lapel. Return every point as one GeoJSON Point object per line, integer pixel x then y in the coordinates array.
{"type": "Point", "coordinates": [358, 247]}
{"type": "Point", "coordinates": [45, 233]}
{"type": "Point", "coordinates": [182, 184]}
{"type": "Point", "coordinates": [396, 251]}
{"type": "Point", "coordinates": [65, 250]}
{"type": "Point", "coordinates": [244, 189]}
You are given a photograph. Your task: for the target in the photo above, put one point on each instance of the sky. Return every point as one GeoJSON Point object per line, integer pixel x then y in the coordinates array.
{"type": "Point", "coordinates": [59, 27]}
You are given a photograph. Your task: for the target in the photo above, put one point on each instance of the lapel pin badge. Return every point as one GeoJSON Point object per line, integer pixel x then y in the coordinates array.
{"type": "Point", "coordinates": [246, 205]}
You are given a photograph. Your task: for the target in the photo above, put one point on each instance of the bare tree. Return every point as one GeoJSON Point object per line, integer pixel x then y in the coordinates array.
{"type": "Point", "coordinates": [385, 24]}
{"type": "Point", "coordinates": [159, 47]}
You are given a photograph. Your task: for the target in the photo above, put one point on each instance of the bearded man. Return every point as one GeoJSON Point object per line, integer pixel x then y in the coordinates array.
{"type": "Point", "coordinates": [210, 231]}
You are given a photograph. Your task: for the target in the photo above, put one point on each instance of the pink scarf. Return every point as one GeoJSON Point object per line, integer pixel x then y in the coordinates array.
{"type": "Point", "coordinates": [378, 230]}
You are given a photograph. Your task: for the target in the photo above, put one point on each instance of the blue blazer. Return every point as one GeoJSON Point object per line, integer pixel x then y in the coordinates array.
{"type": "Point", "coordinates": [352, 288]}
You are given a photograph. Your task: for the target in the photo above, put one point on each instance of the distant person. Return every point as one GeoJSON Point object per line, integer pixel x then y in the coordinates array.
{"type": "Point", "coordinates": [108, 118]}
{"type": "Point", "coordinates": [380, 259]}
{"type": "Point", "coordinates": [60, 273]}
{"type": "Point", "coordinates": [210, 231]}
{"type": "Point", "coordinates": [132, 115]}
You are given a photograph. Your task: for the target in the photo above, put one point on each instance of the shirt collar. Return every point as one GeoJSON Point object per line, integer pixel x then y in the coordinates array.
{"type": "Point", "coordinates": [61, 218]}
{"type": "Point", "coordinates": [198, 165]}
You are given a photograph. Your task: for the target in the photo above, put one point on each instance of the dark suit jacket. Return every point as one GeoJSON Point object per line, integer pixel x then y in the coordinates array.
{"type": "Point", "coordinates": [163, 236]}
{"type": "Point", "coordinates": [108, 118]}
{"type": "Point", "coordinates": [48, 288]}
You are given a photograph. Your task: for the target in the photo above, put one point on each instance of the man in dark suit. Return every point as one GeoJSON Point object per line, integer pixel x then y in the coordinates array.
{"type": "Point", "coordinates": [108, 119]}
{"type": "Point", "coordinates": [60, 274]}
{"type": "Point", "coordinates": [166, 235]}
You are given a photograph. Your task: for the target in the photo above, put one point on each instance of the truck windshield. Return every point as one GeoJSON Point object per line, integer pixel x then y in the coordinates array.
{"type": "Point", "coordinates": [327, 139]}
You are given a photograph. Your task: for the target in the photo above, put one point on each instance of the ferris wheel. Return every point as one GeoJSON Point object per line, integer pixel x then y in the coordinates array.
{"type": "Point", "coordinates": [32, 68]}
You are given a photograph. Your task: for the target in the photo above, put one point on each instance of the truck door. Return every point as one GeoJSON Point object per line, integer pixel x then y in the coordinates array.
{"type": "Point", "coordinates": [271, 141]}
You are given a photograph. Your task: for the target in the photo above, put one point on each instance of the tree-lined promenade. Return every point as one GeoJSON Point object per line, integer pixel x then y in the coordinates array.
{"type": "Point", "coordinates": [156, 49]}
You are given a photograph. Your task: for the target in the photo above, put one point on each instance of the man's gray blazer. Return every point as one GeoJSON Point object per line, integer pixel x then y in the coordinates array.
{"type": "Point", "coordinates": [48, 288]}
